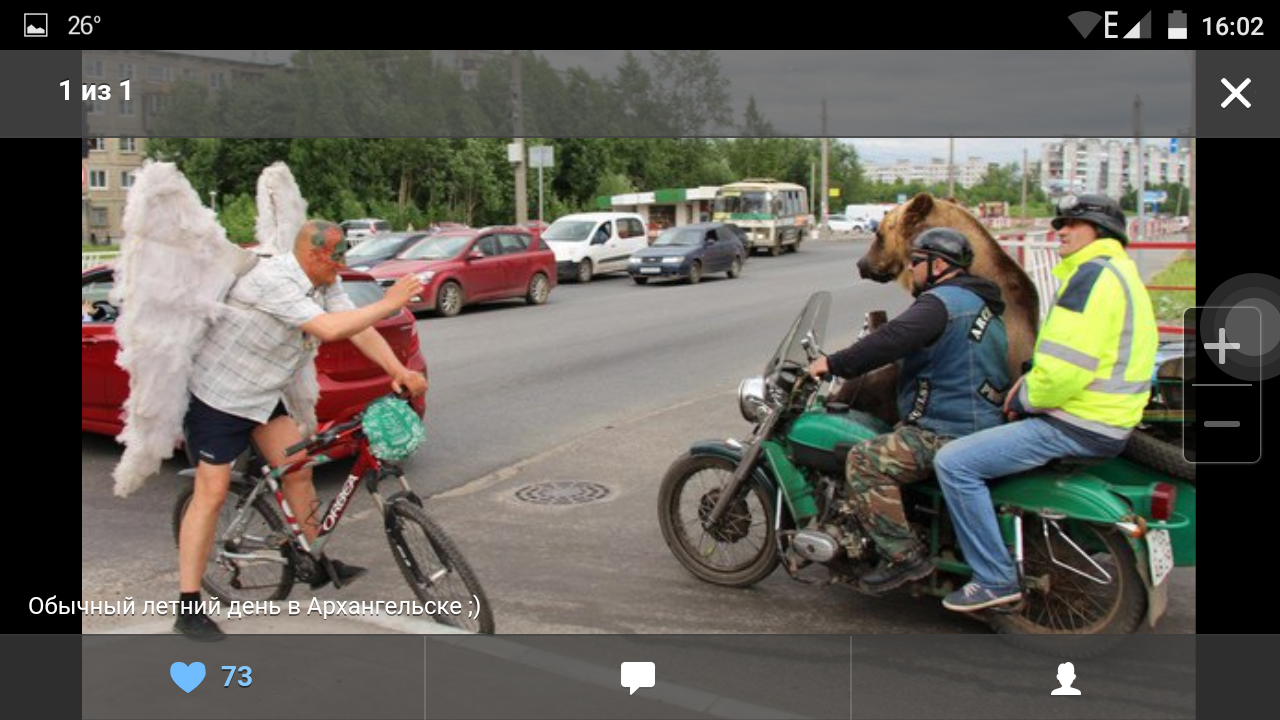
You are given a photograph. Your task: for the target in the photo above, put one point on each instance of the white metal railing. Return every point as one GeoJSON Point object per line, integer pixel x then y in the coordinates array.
{"type": "Point", "coordinates": [93, 259]}
{"type": "Point", "coordinates": [1038, 256]}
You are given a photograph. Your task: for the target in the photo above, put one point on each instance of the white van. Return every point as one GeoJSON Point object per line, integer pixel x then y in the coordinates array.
{"type": "Point", "coordinates": [586, 244]}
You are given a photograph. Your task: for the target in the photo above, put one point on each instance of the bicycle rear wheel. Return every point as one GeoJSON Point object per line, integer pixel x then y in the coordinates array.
{"type": "Point", "coordinates": [265, 576]}
{"type": "Point", "coordinates": [434, 568]}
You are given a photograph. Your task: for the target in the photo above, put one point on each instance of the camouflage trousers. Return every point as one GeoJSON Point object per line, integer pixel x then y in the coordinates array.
{"type": "Point", "coordinates": [876, 469]}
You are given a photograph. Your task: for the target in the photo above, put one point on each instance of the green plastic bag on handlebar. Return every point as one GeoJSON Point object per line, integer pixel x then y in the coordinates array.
{"type": "Point", "coordinates": [394, 430]}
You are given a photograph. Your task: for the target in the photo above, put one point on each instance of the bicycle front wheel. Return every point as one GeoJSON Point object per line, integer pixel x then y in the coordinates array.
{"type": "Point", "coordinates": [251, 564]}
{"type": "Point", "coordinates": [435, 569]}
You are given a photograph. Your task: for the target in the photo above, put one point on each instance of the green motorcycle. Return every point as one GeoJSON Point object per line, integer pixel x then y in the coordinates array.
{"type": "Point", "coordinates": [1094, 542]}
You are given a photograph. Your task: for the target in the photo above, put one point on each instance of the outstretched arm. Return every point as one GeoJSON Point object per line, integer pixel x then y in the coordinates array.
{"type": "Point", "coordinates": [914, 329]}
{"type": "Point", "coordinates": [375, 347]}
{"type": "Point", "coordinates": [348, 323]}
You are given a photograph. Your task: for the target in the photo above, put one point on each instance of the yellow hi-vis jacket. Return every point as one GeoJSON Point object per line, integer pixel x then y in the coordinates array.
{"type": "Point", "coordinates": [1094, 356]}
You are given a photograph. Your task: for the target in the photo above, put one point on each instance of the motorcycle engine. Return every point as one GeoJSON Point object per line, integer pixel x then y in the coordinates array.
{"type": "Point", "coordinates": [815, 545]}
{"type": "Point", "coordinates": [835, 541]}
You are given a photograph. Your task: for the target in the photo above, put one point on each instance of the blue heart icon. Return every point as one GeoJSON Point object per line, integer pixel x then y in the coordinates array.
{"type": "Point", "coordinates": [188, 677]}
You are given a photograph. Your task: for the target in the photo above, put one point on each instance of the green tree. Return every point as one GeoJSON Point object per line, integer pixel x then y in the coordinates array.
{"type": "Point", "coordinates": [580, 166]}
{"type": "Point", "coordinates": [845, 170]}
{"type": "Point", "coordinates": [999, 183]}
{"type": "Point", "coordinates": [238, 214]}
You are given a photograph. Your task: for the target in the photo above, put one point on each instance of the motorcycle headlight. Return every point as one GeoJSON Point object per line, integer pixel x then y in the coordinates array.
{"type": "Point", "coordinates": [751, 402]}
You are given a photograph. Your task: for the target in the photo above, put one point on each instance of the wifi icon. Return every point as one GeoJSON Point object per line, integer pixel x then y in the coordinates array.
{"type": "Point", "coordinates": [1084, 21]}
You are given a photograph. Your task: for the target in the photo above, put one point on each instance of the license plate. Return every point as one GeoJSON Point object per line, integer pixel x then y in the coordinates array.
{"type": "Point", "coordinates": [1160, 553]}
{"type": "Point", "coordinates": [650, 271]}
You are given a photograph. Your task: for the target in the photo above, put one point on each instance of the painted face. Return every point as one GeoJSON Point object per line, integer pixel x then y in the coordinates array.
{"type": "Point", "coordinates": [329, 250]}
{"type": "Point", "coordinates": [338, 254]}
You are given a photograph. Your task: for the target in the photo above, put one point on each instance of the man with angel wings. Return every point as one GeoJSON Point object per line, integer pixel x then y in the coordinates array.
{"type": "Point", "coordinates": [222, 344]}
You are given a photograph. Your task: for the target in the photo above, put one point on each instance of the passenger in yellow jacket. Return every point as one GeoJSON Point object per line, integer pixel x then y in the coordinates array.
{"type": "Point", "coordinates": [1089, 382]}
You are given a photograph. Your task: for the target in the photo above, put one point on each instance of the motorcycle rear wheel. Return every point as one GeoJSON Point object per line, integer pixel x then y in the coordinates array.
{"type": "Point", "coordinates": [738, 551]}
{"type": "Point", "coordinates": [1061, 602]}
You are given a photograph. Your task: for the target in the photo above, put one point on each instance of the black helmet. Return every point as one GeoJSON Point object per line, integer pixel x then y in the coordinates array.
{"type": "Point", "coordinates": [946, 243]}
{"type": "Point", "coordinates": [1100, 210]}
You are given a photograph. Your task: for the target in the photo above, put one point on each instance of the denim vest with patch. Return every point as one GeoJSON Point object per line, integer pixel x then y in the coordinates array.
{"type": "Point", "coordinates": [956, 386]}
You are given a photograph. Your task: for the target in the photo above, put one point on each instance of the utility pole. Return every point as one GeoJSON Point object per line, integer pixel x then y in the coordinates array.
{"type": "Point", "coordinates": [517, 128]}
{"type": "Point", "coordinates": [951, 168]}
{"type": "Point", "coordinates": [1142, 175]}
{"type": "Point", "coordinates": [826, 150]}
{"type": "Point", "coordinates": [813, 180]}
{"type": "Point", "coordinates": [1024, 184]}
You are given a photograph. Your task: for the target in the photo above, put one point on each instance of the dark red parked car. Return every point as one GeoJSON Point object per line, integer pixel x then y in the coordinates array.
{"type": "Point", "coordinates": [347, 377]}
{"type": "Point", "coordinates": [460, 267]}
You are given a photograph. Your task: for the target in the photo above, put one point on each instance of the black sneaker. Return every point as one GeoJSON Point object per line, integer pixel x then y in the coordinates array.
{"type": "Point", "coordinates": [890, 574]}
{"type": "Point", "coordinates": [347, 574]}
{"type": "Point", "coordinates": [198, 627]}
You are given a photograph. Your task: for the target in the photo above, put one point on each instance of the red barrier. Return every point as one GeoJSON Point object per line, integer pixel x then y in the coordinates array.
{"type": "Point", "coordinates": [1162, 246]}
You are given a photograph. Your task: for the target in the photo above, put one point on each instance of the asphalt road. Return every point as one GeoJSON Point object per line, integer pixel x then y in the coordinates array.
{"type": "Point", "coordinates": [607, 383]}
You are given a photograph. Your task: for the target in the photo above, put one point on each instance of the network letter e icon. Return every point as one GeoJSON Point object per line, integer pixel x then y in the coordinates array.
{"type": "Point", "coordinates": [636, 675]}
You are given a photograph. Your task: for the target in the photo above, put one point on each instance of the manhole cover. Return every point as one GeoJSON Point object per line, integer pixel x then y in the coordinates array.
{"type": "Point", "coordinates": [562, 493]}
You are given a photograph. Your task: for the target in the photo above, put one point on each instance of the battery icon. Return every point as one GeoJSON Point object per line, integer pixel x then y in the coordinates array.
{"type": "Point", "coordinates": [1177, 25]}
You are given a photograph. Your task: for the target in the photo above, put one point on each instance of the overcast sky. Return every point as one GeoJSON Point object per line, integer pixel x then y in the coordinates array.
{"type": "Point", "coordinates": [905, 93]}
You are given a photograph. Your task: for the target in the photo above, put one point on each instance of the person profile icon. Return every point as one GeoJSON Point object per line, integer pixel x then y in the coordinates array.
{"type": "Point", "coordinates": [1066, 676]}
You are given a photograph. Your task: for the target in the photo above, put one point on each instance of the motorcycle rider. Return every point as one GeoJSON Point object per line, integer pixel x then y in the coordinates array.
{"type": "Point", "coordinates": [1089, 381]}
{"type": "Point", "coordinates": [953, 374]}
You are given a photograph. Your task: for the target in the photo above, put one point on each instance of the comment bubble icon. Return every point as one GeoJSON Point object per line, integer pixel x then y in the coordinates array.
{"type": "Point", "coordinates": [636, 675]}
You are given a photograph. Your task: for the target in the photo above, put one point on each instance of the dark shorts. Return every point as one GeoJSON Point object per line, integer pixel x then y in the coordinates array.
{"type": "Point", "coordinates": [216, 437]}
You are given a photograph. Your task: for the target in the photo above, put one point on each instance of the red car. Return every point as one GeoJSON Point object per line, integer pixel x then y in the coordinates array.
{"type": "Point", "coordinates": [460, 267]}
{"type": "Point", "coordinates": [347, 377]}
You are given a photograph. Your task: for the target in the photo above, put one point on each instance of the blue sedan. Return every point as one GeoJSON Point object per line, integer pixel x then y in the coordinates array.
{"type": "Point", "coordinates": [688, 252]}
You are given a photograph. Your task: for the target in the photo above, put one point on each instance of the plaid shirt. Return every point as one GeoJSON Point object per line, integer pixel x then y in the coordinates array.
{"type": "Point", "coordinates": [255, 349]}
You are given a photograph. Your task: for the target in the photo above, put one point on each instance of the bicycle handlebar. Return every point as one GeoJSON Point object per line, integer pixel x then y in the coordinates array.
{"type": "Point", "coordinates": [327, 436]}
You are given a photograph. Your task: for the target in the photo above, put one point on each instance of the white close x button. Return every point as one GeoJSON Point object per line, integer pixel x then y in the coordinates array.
{"type": "Point", "coordinates": [1235, 92]}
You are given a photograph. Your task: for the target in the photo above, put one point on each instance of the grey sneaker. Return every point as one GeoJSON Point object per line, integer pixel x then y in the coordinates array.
{"type": "Point", "coordinates": [973, 597]}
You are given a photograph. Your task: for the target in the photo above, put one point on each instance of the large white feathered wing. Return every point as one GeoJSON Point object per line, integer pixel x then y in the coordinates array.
{"type": "Point", "coordinates": [281, 213]}
{"type": "Point", "coordinates": [281, 210]}
{"type": "Point", "coordinates": [175, 267]}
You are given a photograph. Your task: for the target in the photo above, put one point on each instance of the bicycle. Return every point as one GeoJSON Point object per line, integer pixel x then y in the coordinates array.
{"type": "Point", "coordinates": [258, 556]}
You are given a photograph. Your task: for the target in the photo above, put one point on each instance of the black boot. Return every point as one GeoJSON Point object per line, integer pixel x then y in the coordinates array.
{"type": "Point", "coordinates": [890, 574]}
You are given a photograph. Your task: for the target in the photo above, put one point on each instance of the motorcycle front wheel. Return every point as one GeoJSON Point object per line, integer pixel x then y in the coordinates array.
{"type": "Point", "coordinates": [737, 551]}
{"type": "Point", "coordinates": [1085, 583]}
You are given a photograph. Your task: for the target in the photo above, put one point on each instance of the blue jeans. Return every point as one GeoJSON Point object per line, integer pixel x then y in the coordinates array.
{"type": "Point", "coordinates": [963, 467]}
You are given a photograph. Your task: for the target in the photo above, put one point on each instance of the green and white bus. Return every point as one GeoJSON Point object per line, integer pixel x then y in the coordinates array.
{"type": "Point", "coordinates": [774, 215]}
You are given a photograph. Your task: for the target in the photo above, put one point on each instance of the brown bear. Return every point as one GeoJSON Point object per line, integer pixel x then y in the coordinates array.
{"type": "Point", "coordinates": [888, 260]}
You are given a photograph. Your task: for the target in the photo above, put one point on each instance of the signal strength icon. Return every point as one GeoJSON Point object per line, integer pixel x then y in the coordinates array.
{"type": "Point", "coordinates": [1141, 30]}
{"type": "Point", "coordinates": [1085, 21]}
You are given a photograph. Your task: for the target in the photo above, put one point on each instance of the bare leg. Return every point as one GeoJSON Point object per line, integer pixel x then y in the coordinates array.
{"type": "Point", "coordinates": [272, 439]}
{"type": "Point", "coordinates": [200, 522]}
